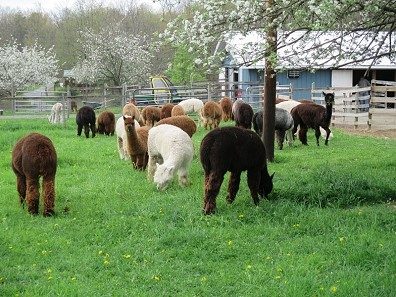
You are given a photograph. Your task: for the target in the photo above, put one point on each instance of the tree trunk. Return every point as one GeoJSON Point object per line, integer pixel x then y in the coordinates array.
{"type": "Point", "coordinates": [269, 89]}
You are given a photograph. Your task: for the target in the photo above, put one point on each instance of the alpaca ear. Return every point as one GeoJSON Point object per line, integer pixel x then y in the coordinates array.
{"type": "Point", "coordinates": [156, 166]}
{"type": "Point", "coordinates": [124, 118]}
{"type": "Point", "coordinates": [324, 94]}
{"type": "Point", "coordinates": [272, 176]}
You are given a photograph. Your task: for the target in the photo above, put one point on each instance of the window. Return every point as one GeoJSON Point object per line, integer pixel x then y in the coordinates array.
{"type": "Point", "coordinates": [293, 73]}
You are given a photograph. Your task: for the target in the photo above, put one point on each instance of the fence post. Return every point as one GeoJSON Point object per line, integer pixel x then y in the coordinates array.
{"type": "Point", "coordinates": [105, 94]}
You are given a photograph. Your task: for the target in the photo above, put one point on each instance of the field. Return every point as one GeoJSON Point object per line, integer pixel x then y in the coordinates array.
{"type": "Point", "coordinates": [328, 228]}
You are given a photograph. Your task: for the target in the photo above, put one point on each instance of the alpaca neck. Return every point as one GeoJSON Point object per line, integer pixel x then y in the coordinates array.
{"type": "Point", "coordinates": [133, 139]}
{"type": "Point", "coordinates": [329, 112]}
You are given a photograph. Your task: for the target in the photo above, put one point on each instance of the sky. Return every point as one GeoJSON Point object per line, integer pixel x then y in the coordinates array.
{"type": "Point", "coordinates": [54, 5]}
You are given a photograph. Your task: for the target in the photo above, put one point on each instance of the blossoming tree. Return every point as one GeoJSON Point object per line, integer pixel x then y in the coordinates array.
{"type": "Point", "coordinates": [26, 66]}
{"type": "Point", "coordinates": [114, 57]}
{"type": "Point", "coordinates": [298, 28]}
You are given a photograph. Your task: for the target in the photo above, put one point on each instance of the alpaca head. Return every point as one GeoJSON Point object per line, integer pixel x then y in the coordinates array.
{"type": "Point", "coordinates": [163, 175]}
{"type": "Point", "coordinates": [266, 185]}
{"type": "Point", "coordinates": [129, 123]}
{"type": "Point", "coordinates": [329, 98]}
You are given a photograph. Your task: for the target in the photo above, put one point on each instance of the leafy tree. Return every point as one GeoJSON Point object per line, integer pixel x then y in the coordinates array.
{"type": "Point", "coordinates": [28, 65]}
{"type": "Point", "coordinates": [184, 68]}
{"type": "Point", "coordinates": [351, 22]}
{"type": "Point", "coordinates": [114, 57]}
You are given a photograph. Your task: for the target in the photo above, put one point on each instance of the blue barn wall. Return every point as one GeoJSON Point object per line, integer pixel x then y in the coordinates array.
{"type": "Point", "coordinates": [301, 85]}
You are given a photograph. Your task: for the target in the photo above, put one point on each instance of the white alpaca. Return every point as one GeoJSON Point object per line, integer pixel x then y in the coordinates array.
{"type": "Point", "coordinates": [289, 104]}
{"type": "Point", "coordinates": [170, 151]}
{"type": "Point", "coordinates": [191, 105]}
{"type": "Point", "coordinates": [56, 114]}
{"type": "Point", "coordinates": [122, 138]}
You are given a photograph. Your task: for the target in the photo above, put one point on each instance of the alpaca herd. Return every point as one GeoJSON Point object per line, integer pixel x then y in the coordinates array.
{"type": "Point", "coordinates": [160, 138]}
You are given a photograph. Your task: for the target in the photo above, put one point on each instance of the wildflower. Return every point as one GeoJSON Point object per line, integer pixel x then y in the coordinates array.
{"type": "Point", "coordinates": [249, 267]}
{"type": "Point", "coordinates": [229, 242]}
{"type": "Point", "coordinates": [100, 252]}
{"type": "Point", "coordinates": [241, 216]}
{"type": "Point", "coordinates": [333, 289]}
{"type": "Point", "coordinates": [106, 262]}
{"type": "Point", "coordinates": [203, 279]}
{"type": "Point", "coordinates": [127, 256]}
{"type": "Point", "coordinates": [156, 277]}
{"type": "Point", "coordinates": [296, 225]}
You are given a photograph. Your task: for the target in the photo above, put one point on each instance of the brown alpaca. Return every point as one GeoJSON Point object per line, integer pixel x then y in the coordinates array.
{"type": "Point", "coordinates": [211, 115]}
{"type": "Point", "coordinates": [130, 109]}
{"type": "Point", "coordinates": [226, 107]}
{"type": "Point", "coordinates": [33, 156]}
{"type": "Point", "coordinates": [106, 123]}
{"type": "Point", "coordinates": [309, 115]}
{"type": "Point", "coordinates": [137, 143]}
{"type": "Point", "coordinates": [166, 110]}
{"type": "Point", "coordinates": [184, 122]}
{"type": "Point", "coordinates": [150, 115]}
{"type": "Point", "coordinates": [177, 110]}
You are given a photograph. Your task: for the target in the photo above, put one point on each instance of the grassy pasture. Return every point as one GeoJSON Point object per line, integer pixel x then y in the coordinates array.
{"type": "Point", "coordinates": [328, 228]}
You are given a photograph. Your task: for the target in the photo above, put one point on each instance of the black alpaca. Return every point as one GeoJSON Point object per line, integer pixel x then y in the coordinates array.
{"type": "Point", "coordinates": [314, 116]}
{"type": "Point", "coordinates": [233, 149]}
{"type": "Point", "coordinates": [86, 118]}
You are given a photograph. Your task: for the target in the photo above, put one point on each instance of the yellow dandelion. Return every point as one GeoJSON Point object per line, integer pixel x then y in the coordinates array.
{"type": "Point", "coordinates": [106, 262]}
{"type": "Point", "coordinates": [49, 270]}
{"type": "Point", "coordinates": [241, 216]}
{"type": "Point", "coordinates": [73, 278]}
{"type": "Point", "coordinates": [342, 239]}
{"type": "Point", "coordinates": [278, 277]}
{"type": "Point", "coordinates": [333, 289]}
{"type": "Point", "coordinates": [229, 242]}
{"type": "Point", "coordinates": [100, 252]}
{"type": "Point", "coordinates": [127, 256]}
{"type": "Point", "coordinates": [296, 225]}
{"type": "Point", "coordinates": [156, 277]}
{"type": "Point", "coordinates": [249, 267]}
{"type": "Point", "coordinates": [203, 279]}
{"type": "Point", "coordinates": [268, 258]}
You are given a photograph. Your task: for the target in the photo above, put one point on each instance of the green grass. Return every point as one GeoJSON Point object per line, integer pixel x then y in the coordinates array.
{"type": "Point", "coordinates": [328, 228]}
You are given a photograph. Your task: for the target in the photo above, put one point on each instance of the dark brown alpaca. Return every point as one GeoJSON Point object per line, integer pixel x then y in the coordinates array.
{"type": "Point", "coordinates": [233, 149]}
{"type": "Point", "coordinates": [309, 115]}
{"type": "Point", "coordinates": [137, 143]}
{"type": "Point", "coordinates": [33, 156]}
{"type": "Point", "coordinates": [150, 115]}
{"type": "Point", "coordinates": [166, 110]}
{"type": "Point", "coordinates": [86, 118]}
{"type": "Point", "coordinates": [106, 123]}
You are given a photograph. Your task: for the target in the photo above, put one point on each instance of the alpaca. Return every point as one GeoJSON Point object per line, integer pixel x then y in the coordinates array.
{"type": "Point", "coordinates": [170, 151]}
{"type": "Point", "coordinates": [150, 115]}
{"type": "Point", "coordinates": [33, 156]}
{"type": "Point", "coordinates": [56, 114]}
{"type": "Point", "coordinates": [122, 143]}
{"type": "Point", "coordinates": [166, 110]}
{"type": "Point", "coordinates": [283, 123]}
{"type": "Point", "coordinates": [191, 105]}
{"type": "Point", "coordinates": [73, 106]}
{"type": "Point", "coordinates": [211, 115]}
{"type": "Point", "coordinates": [86, 118]}
{"type": "Point", "coordinates": [184, 122]}
{"type": "Point", "coordinates": [233, 149]}
{"type": "Point", "coordinates": [106, 123]}
{"type": "Point", "coordinates": [136, 143]}
{"type": "Point", "coordinates": [235, 106]}
{"type": "Point", "coordinates": [243, 115]}
{"type": "Point", "coordinates": [177, 110]}
{"type": "Point", "coordinates": [307, 115]}
{"type": "Point", "coordinates": [130, 109]}
{"type": "Point", "coordinates": [289, 104]}
{"type": "Point", "coordinates": [226, 107]}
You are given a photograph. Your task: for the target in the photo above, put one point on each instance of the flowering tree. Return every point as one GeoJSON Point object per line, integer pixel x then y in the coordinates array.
{"type": "Point", "coordinates": [360, 31]}
{"type": "Point", "coordinates": [30, 65]}
{"type": "Point", "coordinates": [113, 56]}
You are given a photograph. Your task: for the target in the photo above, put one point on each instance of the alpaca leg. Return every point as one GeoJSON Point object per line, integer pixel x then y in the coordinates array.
{"type": "Point", "coordinates": [49, 195]}
{"type": "Point", "coordinates": [327, 135]}
{"type": "Point", "coordinates": [281, 138]}
{"type": "Point", "coordinates": [302, 134]}
{"type": "Point", "coordinates": [21, 187]}
{"type": "Point", "coordinates": [93, 129]}
{"type": "Point", "coordinates": [151, 167]}
{"type": "Point", "coordinates": [120, 148]}
{"type": "Point", "coordinates": [212, 189]}
{"type": "Point", "coordinates": [86, 130]}
{"type": "Point", "coordinates": [233, 186]}
{"type": "Point", "coordinates": [289, 136]}
{"type": "Point", "coordinates": [253, 179]}
{"type": "Point", "coordinates": [134, 161]}
{"type": "Point", "coordinates": [317, 135]}
{"type": "Point", "coordinates": [183, 177]}
{"type": "Point", "coordinates": [32, 195]}
{"type": "Point", "coordinates": [79, 130]}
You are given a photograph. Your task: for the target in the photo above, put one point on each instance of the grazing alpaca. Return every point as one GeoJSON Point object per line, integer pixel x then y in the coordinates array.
{"type": "Point", "coordinates": [177, 110]}
{"type": "Point", "coordinates": [226, 107]}
{"type": "Point", "coordinates": [33, 156]}
{"type": "Point", "coordinates": [150, 115]}
{"type": "Point", "coordinates": [106, 123]}
{"type": "Point", "coordinates": [122, 142]}
{"type": "Point", "coordinates": [184, 122]}
{"type": "Point", "coordinates": [191, 105]}
{"type": "Point", "coordinates": [86, 118]}
{"type": "Point", "coordinates": [243, 115]}
{"type": "Point", "coordinates": [283, 123]}
{"type": "Point", "coordinates": [211, 115]}
{"type": "Point", "coordinates": [233, 149]}
{"type": "Point", "coordinates": [131, 110]}
{"type": "Point", "coordinates": [73, 106]}
{"type": "Point", "coordinates": [137, 143]}
{"type": "Point", "coordinates": [166, 110]}
{"type": "Point", "coordinates": [56, 114]}
{"type": "Point", "coordinates": [307, 115]}
{"type": "Point", "coordinates": [170, 151]}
